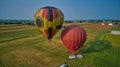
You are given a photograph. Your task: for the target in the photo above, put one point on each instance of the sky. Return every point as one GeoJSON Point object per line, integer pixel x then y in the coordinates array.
{"type": "Point", "coordinates": [72, 9]}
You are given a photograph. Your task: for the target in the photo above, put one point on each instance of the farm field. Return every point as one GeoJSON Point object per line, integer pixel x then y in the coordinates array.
{"type": "Point", "coordinates": [24, 46]}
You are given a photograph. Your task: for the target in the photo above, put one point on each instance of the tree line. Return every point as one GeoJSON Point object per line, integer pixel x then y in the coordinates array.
{"type": "Point", "coordinates": [31, 22]}
{"type": "Point", "coordinates": [23, 22]}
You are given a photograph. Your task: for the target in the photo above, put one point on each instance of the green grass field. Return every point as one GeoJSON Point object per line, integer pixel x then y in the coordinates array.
{"type": "Point", "coordinates": [29, 48]}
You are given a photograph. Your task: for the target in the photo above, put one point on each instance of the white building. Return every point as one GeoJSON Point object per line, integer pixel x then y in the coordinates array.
{"type": "Point", "coordinates": [103, 24]}
{"type": "Point", "coordinates": [110, 24]}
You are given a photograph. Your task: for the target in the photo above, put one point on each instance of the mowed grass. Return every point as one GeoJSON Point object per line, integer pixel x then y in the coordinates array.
{"type": "Point", "coordinates": [29, 48]}
{"type": "Point", "coordinates": [17, 35]}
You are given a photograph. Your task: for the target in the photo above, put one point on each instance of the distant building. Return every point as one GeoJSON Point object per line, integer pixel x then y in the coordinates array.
{"type": "Point", "coordinates": [107, 24]}
{"type": "Point", "coordinates": [103, 24]}
{"type": "Point", "coordinates": [110, 24]}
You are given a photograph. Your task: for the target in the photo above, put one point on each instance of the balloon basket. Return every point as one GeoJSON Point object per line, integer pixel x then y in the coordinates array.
{"type": "Point", "coordinates": [73, 56]}
{"type": "Point", "coordinates": [79, 56]}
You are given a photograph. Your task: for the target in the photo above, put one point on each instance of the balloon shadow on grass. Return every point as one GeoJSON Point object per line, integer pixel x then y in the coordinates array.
{"type": "Point", "coordinates": [96, 46]}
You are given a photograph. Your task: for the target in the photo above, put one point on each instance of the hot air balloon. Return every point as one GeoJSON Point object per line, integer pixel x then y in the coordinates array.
{"type": "Point", "coordinates": [48, 20]}
{"type": "Point", "coordinates": [73, 38]}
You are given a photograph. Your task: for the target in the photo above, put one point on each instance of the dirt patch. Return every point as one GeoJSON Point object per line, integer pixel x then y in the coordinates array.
{"type": "Point", "coordinates": [97, 26]}
{"type": "Point", "coordinates": [26, 56]}
{"type": "Point", "coordinates": [75, 23]}
{"type": "Point", "coordinates": [26, 53]}
{"type": "Point", "coordinates": [47, 60]}
{"type": "Point", "coordinates": [32, 57]}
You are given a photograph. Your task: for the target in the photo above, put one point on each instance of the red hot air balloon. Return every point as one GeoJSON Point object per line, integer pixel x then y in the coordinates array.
{"type": "Point", "coordinates": [73, 37]}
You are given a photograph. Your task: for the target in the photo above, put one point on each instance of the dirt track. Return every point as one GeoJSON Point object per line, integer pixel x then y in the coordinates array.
{"type": "Point", "coordinates": [90, 25]}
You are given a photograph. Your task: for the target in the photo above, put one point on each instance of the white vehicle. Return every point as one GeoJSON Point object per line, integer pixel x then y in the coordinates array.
{"type": "Point", "coordinates": [63, 65]}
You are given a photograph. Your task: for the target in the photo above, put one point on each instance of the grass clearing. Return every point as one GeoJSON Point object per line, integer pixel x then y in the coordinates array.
{"type": "Point", "coordinates": [116, 28]}
{"type": "Point", "coordinates": [27, 48]}
{"type": "Point", "coordinates": [13, 27]}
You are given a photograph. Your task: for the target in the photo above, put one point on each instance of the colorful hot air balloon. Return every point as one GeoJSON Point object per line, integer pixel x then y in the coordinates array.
{"type": "Point", "coordinates": [49, 20]}
{"type": "Point", "coordinates": [73, 37]}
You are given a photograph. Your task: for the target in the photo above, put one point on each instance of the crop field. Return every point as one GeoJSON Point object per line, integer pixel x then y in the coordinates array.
{"type": "Point", "coordinates": [25, 46]}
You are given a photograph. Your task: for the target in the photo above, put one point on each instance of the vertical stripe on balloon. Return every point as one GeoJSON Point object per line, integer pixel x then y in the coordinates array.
{"type": "Point", "coordinates": [53, 32]}
{"type": "Point", "coordinates": [49, 32]}
{"type": "Point", "coordinates": [55, 13]}
{"type": "Point", "coordinates": [50, 14]}
{"type": "Point", "coordinates": [45, 13]}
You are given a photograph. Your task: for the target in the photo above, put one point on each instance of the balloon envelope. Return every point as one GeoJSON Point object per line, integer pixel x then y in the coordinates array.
{"type": "Point", "coordinates": [73, 37]}
{"type": "Point", "coordinates": [49, 20]}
